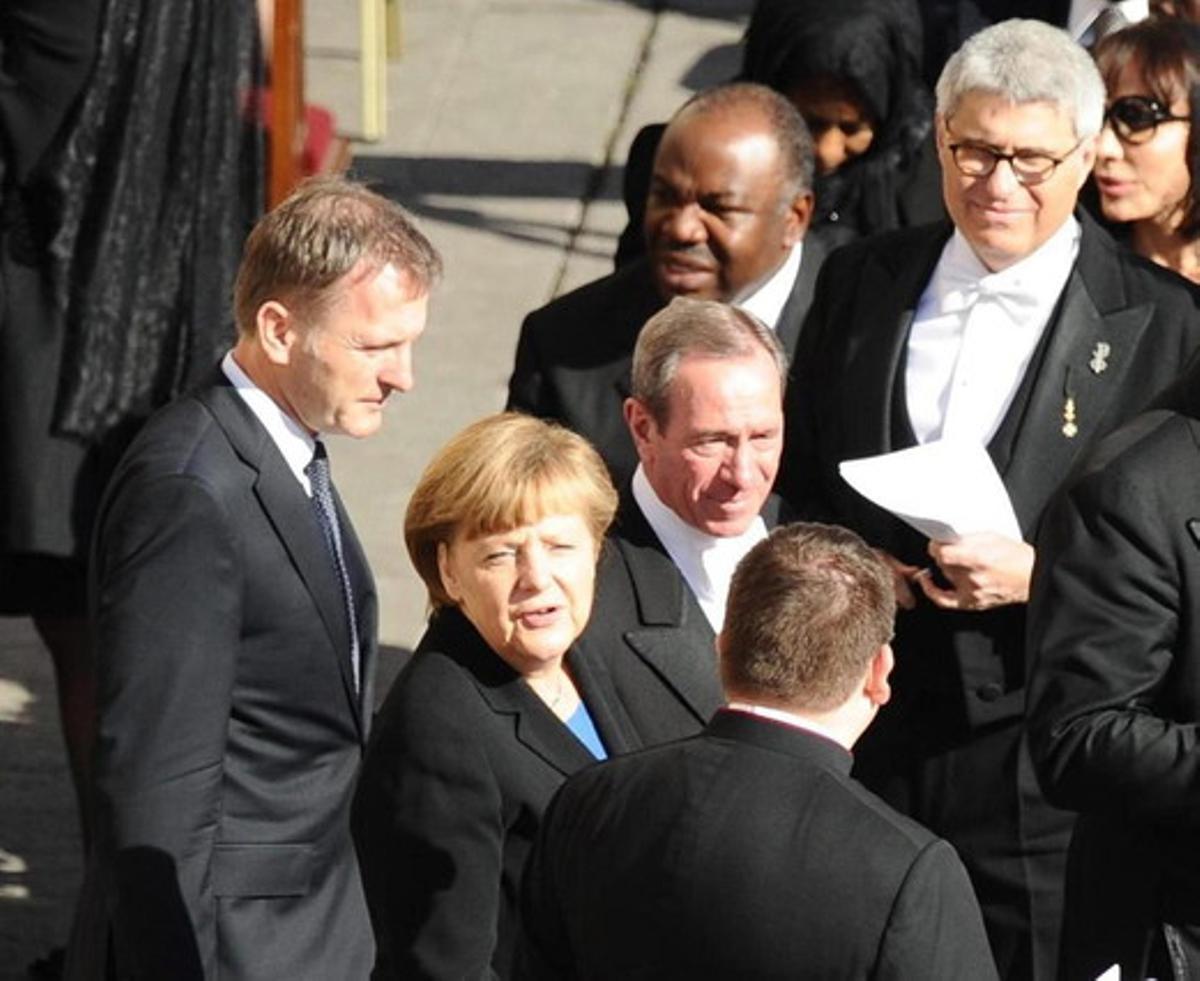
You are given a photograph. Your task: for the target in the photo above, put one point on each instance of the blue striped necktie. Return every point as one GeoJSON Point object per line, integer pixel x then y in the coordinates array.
{"type": "Point", "coordinates": [317, 472]}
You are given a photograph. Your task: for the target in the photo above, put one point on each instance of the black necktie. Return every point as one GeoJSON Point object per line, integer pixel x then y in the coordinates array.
{"type": "Point", "coordinates": [317, 472]}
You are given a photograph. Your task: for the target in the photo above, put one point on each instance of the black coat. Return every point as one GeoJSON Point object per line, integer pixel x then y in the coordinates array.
{"type": "Point", "coordinates": [959, 684]}
{"type": "Point", "coordinates": [846, 400]}
{"type": "Point", "coordinates": [574, 354]}
{"type": "Point", "coordinates": [651, 632]}
{"type": "Point", "coordinates": [1115, 695]}
{"type": "Point", "coordinates": [746, 852]}
{"type": "Point", "coordinates": [464, 758]}
{"type": "Point", "coordinates": [230, 732]}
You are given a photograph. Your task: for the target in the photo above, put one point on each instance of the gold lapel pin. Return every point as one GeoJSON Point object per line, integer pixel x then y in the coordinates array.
{"type": "Point", "coordinates": [1069, 429]}
{"type": "Point", "coordinates": [1100, 355]}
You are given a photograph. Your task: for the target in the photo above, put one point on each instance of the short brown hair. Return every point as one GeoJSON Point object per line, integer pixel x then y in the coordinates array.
{"type": "Point", "coordinates": [501, 472]}
{"type": "Point", "coordinates": [687, 326]}
{"type": "Point", "coordinates": [808, 608]}
{"type": "Point", "coordinates": [328, 226]}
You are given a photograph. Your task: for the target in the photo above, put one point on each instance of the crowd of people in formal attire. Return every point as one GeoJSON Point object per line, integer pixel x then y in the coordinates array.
{"type": "Point", "coordinates": [687, 705]}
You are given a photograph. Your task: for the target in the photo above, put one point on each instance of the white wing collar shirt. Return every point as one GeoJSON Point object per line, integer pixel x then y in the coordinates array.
{"type": "Point", "coordinates": [974, 333]}
{"type": "Point", "coordinates": [705, 561]}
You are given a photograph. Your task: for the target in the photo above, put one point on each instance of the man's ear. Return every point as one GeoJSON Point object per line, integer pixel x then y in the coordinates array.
{"type": "Point", "coordinates": [641, 425]}
{"type": "Point", "coordinates": [799, 217]}
{"type": "Point", "coordinates": [276, 330]}
{"type": "Point", "coordinates": [876, 686]}
{"type": "Point", "coordinates": [939, 130]}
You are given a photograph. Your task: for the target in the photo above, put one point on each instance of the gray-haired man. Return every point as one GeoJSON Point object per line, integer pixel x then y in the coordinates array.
{"type": "Point", "coordinates": [1022, 328]}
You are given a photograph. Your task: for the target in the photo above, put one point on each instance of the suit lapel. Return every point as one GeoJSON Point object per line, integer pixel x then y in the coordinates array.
{"type": "Point", "coordinates": [1088, 356]}
{"type": "Point", "coordinates": [800, 299]}
{"type": "Point", "coordinates": [598, 691]}
{"type": "Point", "coordinates": [667, 609]}
{"type": "Point", "coordinates": [890, 290]}
{"type": "Point", "coordinates": [291, 515]}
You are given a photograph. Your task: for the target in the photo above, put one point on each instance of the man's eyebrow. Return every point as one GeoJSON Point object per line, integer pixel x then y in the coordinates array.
{"type": "Point", "coordinates": [1028, 151]}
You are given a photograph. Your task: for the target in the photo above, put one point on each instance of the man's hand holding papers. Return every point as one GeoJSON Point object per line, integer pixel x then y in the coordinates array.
{"type": "Point", "coordinates": [950, 491]}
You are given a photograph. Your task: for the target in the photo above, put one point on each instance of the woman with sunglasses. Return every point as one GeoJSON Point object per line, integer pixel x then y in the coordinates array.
{"type": "Point", "coordinates": [1148, 156]}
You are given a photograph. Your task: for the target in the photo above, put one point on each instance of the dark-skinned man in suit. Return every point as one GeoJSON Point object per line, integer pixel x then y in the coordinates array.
{"type": "Point", "coordinates": [729, 204]}
{"type": "Point", "coordinates": [748, 851]}
{"type": "Point", "coordinates": [1021, 327]}
{"type": "Point", "coordinates": [235, 620]}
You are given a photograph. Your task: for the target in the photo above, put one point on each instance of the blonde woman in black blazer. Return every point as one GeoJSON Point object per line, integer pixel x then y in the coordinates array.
{"type": "Point", "coordinates": [495, 709]}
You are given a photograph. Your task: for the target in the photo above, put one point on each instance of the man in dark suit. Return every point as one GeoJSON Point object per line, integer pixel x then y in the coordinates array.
{"type": "Point", "coordinates": [1114, 698]}
{"type": "Point", "coordinates": [1026, 330]}
{"type": "Point", "coordinates": [749, 851]}
{"type": "Point", "coordinates": [235, 621]}
{"type": "Point", "coordinates": [730, 200]}
{"type": "Point", "coordinates": [707, 420]}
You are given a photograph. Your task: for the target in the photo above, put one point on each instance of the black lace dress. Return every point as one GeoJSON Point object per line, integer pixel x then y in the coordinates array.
{"type": "Point", "coordinates": [122, 216]}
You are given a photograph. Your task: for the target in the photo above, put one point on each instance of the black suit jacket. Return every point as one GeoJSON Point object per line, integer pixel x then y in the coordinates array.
{"type": "Point", "coordinates": [649, 629]}
{"type": "Point", "coordinates": [846, 400]}
{"type": "Point", "coordinates": [1115, 692]}
{"type": "Point", "coordinates": [574, 354]}
{"type": "Point", "coordinates": [746, 852]}
{"type": "Point", "coordinates": [462, 763]}
{"type": "Point", "coordinates": [230, 732]}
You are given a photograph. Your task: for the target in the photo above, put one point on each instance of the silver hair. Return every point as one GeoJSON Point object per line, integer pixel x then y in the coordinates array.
{"type": "Point", "coordinates": [688, 326]}
{"type": "Point", "coordinates": [1026, 61]}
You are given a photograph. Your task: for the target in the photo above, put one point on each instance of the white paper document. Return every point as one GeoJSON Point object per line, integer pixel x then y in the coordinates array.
{"type": "Point", "coordinates": [944, 489]}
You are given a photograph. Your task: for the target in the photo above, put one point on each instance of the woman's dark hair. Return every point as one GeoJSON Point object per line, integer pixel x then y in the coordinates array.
{"type": "Point", "coordinates": [1167, 54]}
{"type": "Point", "coordinates": [875, 47]}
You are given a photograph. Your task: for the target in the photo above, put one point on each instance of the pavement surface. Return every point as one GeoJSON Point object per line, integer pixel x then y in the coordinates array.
{"type": "Point", "coordinates": [507, 123]}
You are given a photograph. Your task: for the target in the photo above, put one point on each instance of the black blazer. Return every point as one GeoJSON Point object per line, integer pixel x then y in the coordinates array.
{"type": "Point", "coordinates": [1115, 692]}
{"type": "Point", "coordinates": [230, 733]}
{"type": "Point", "coordinates": [746, 852]}
{"type": "Point", "coordinates": [574, 354]}
{"type": "Point", "coordinates": [462, 763]}
{"type": "Point", "coordinates": [648, 628]}
{"type": "Point", "coordinates": [846, 400]}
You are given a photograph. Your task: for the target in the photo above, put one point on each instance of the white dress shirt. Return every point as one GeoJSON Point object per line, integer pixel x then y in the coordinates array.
{"type": "Point", "coordinates": [786, 718]}
{"type": "Point", "coordinates": [705, 561]}
{"type": "Point", "coordinates": [293, 440]}
{"type": "Point", "coordinates": [767, 302]}
{"type": "Point", "coordinates": [975, 332]}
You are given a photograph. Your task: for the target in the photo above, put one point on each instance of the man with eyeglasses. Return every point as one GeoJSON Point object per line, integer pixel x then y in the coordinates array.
{"type": "Point", "coordinates": [1022, 328]}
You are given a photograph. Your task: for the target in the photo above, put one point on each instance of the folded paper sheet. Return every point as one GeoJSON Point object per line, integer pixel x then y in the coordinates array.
{"type": "Point", "coordinates": [944, 489]}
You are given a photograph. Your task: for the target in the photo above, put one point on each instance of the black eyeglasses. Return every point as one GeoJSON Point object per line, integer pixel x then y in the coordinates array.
{"type": "Point", "coordinates": [1028, 166]}
{"type": "Point", "coordinates": [1135, 118]}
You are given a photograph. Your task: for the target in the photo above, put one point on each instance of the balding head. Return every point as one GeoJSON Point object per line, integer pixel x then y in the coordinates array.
{"type": "Point", "coordinates": [730, 193]}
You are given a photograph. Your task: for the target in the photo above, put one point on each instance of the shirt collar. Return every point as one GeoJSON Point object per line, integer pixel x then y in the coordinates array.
{"type": "Point", "coordinates": [766, 302]}
{"type": "Point", "coordinates": [293, 440]}
{"type": "Point", "coordinates": [785, 717]}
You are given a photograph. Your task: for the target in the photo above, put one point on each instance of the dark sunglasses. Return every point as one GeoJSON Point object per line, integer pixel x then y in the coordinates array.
{"type": "Point", "coordinates": [1134, 118]}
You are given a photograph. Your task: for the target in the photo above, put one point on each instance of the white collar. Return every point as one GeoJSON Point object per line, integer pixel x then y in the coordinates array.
{"type": "Point", "coordinates": [293, 440]}
{"type": "Point", "coordinates": [705, 561]}
{"type": "Point", "coordinates": [787, 718]}
{"type": "Point", "coordinates": [767, 302]}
